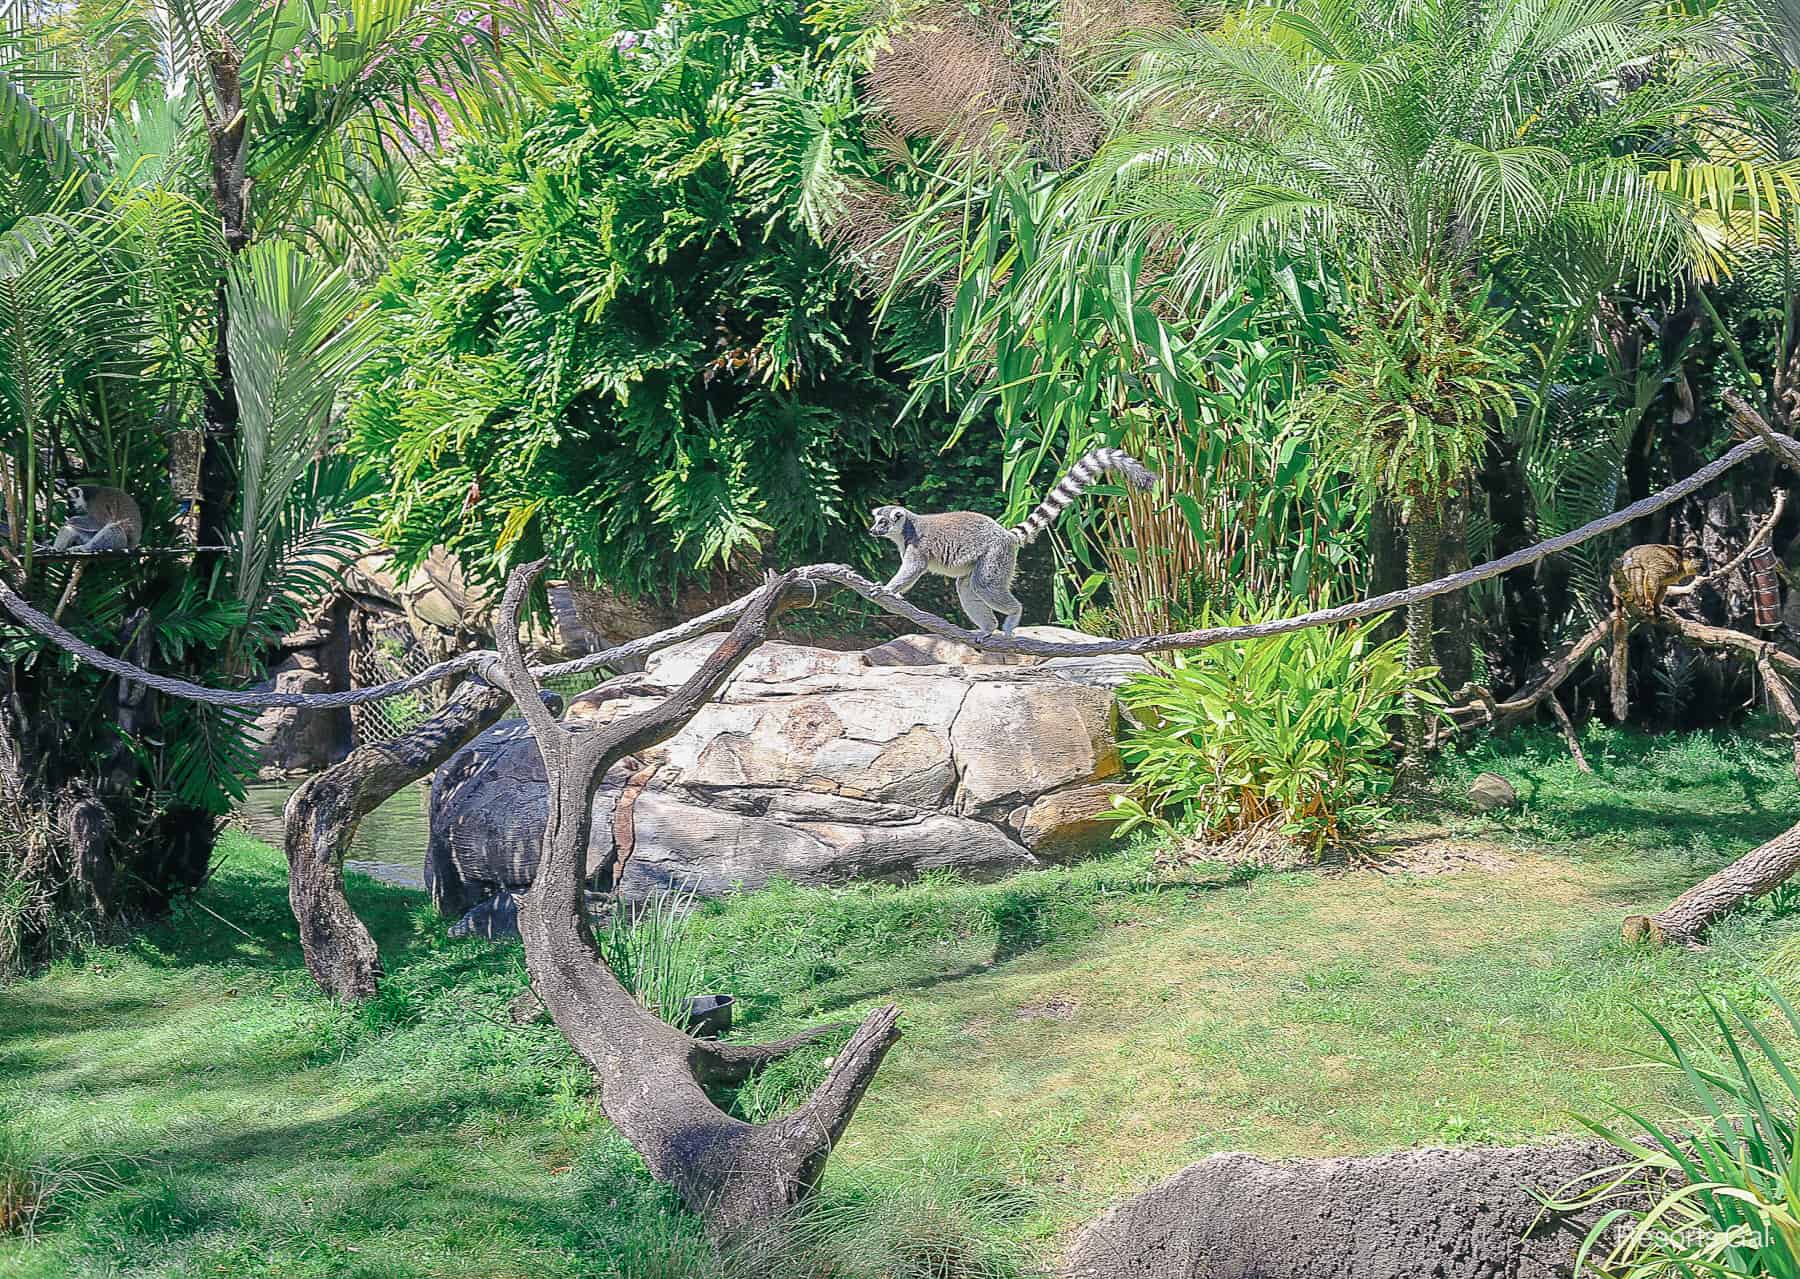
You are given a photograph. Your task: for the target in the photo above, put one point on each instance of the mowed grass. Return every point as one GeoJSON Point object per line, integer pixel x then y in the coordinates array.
{"type": "Point", "coordinates": [1069, 1035]}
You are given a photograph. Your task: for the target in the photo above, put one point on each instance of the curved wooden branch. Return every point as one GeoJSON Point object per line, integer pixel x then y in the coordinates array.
{"type": "Point", "coordinates": [1485, 710]}
{"type": "Point", "coordinates": [322, 817]}
{"type": "Point", "coordinates": [730, 1064]}
{"type": "Point", "coordinates": [1753, 423]}
{"type": "Point", "coordinates": [742, 1178]}
{"type": "Point", "coordinates": [1757, 538]}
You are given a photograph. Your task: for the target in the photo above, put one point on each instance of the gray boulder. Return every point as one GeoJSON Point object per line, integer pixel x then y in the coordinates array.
{"type": "Point", "coordinates": [1419, 1214]}
{"type": "Point", "coordinates": [811, 765]}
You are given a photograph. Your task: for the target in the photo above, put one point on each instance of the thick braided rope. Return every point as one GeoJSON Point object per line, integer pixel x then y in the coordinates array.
{"type": "Point", "coordinates": [841, 575]}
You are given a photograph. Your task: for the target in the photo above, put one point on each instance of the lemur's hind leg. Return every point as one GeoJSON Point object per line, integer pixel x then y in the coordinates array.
{"type": "Point", "coordinates": [992, 581]}
{"type": "Point", "coordinates": [976, 607]}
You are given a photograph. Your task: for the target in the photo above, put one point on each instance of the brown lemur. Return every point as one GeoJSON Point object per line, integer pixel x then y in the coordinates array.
{"type": "Point", "coordinates": [1641, 577]}
{"type": "Point", "coordinates": [982, 554]}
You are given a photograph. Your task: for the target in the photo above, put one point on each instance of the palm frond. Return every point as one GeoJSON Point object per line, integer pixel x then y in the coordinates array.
{"type": "Point", "coordinates": [297, 334]}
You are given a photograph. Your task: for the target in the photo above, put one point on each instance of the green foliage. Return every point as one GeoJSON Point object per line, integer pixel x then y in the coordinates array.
{"type": "Point", "coordinates": [297, 334]}
{"type": "Point", "coordinates": [1725, 1192]}
{"type": "Point", "coordinates": [655, 955]}
{"type": "Point", "coordinates": [128, 290]}
{"type": "Point", "coordinates": [1289, 731]}
{"type": "Point", "coordinates": [605, 345]}
{"type": "Point", "coordinates": [1066, 354]}
{"type": "Point", "coordinates": [1402, 137]}
{"type": "Point", "coordinates": [947, 1217]}
{"type": "Point", "coordinates": [1417, 382]}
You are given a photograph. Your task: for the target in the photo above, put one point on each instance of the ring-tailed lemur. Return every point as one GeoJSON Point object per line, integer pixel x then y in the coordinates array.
{"type": "Point", "coordinates": [100, 519]}
{"type": "Point", "coordinates": [982, 554]}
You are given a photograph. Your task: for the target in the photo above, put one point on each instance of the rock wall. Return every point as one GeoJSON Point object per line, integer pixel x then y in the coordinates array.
{"type": "Point", "coordinates": [314, 659]}
{"type": "Point", "coordinates": [813, 766]}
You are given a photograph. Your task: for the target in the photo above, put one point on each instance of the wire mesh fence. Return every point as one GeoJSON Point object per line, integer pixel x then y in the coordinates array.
{"type": "Point", "coordinates": [382, 650]}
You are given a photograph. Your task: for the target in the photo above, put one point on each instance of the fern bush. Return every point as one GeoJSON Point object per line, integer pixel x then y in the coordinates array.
{"type": "Point", "coordinates": [1290, 732]}
{"type": "Point", "coordinates": [603, 344]}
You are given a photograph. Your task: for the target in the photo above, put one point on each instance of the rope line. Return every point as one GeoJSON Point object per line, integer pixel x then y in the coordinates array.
{"type": "Point", "coordinates": [484, 662]}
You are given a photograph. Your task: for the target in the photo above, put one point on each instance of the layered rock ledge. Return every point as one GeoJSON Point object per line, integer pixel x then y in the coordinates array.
{"type": "Point", "coordinates": [813, 766]}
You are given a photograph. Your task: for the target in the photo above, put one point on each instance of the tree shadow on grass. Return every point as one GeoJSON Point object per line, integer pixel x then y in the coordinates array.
{"type": "Point", "coordinates": [31, 1012]}
{"type": "Point", "coordinates": [393, 1175]}
{"type": "Point", "coordinates": [242, 917]}
{"type": "Point", "coordinates": [1027, 916]}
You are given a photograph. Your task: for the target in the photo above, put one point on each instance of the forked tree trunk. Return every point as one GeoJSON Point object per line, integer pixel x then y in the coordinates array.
{"type": "Point", "coordinates": [742, 1178]}
{"type": "Point", "coordinates": [322, 817]}
{"type": "Point", "coordinates": [1759, 871]}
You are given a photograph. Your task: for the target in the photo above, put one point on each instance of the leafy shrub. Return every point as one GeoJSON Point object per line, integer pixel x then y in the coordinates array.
{"type": "Point", "coordinates": [604, 343]}
{"type": "Point", "coordinates": [1731, 1205]}
{"type": "Point", "coordinates": [1290, 731]}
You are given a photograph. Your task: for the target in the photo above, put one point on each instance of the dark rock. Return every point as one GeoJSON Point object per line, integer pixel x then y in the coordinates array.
{"type": "Point", "coordinates": [1419, 1214]}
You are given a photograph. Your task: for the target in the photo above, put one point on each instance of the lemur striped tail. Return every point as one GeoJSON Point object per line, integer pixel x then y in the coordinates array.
{"type": "Point", "coordinates": [1080, 476]}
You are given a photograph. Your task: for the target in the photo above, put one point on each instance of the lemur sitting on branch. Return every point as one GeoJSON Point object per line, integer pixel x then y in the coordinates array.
{"type": "Point", "coordinates": [980, 553]}
{"type": "Point", "coordinates": [1641, 578]}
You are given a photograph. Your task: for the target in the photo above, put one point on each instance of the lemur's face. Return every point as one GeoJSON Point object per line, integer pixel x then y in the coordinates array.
{"type": "Point", "coordinates": [75, 497]}
{"type": "Point", "coordinates": [886, 520]}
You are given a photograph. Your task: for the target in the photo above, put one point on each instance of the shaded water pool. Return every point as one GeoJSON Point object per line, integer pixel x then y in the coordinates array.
{"type": "Point", "coordinates": [389, 844]}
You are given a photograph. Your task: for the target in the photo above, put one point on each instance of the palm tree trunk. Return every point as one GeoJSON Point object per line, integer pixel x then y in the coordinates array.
{"type": "Point", "coordinates": [1422, 530]}
{"type": "Point", "coordinates": [1454, 643]}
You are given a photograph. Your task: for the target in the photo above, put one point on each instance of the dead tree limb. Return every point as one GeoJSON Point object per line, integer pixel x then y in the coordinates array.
{"type": "Point", "coordinates": [1568, 732]}
{"type": "Point", "coordinates": [742, 1178]}
{"type": "Point", "coordinates": [1485, 711]}
{"type": "Point", "coordinates": [322, 817]}
{"type": "Point", "coordinates": [1783, 697]}
{"type": "Point", "coordinates": [1761, 870]}
{"type": "Point", "coordinates": [1751, 422]}
{"type": "Point", "coordinates": [1757, 538]}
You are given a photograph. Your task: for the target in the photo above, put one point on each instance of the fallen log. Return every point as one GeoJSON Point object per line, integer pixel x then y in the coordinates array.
{"type": "Point", "coordinates": [1685, 919]}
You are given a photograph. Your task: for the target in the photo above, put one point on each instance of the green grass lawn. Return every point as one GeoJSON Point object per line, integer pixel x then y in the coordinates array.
{"type": "Point", "coordinates": [1069, 1035]}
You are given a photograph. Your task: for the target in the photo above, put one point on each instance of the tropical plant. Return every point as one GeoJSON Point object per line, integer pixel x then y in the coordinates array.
{"type": "Point", "coordinates": [1718, 1195]}
{"type": "Point", "coordinates": [1288, 732]}
{"type": "Point", "coordinates": [605, 345]}
{"type": "Point", "coordinates": [164, 334]}
{"type": "Point", "coordinates": [1408, 406]}
{"type": "Point", "coordinates": [1088, 359]}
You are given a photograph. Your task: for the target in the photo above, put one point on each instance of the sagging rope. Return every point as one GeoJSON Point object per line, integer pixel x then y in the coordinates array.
{"type": "Point", "coordinates": [841, 575]}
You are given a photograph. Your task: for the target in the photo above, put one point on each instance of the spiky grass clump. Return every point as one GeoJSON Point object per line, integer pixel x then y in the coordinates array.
{"type": "Point", "coordinates": [655, 955]}
{"type": "Point", "coordinates": [1715, 1194]}
{"type": "Point", "coordinates": [950, 1216]}
{"type": "Point", "coordinates": [37, 1186]}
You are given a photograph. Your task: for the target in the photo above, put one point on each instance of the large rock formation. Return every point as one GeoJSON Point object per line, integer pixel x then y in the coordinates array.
{"type": "Point", "coordinates": [813, 766]}
{"type": "Point", "coordinates": [1419, 1214]}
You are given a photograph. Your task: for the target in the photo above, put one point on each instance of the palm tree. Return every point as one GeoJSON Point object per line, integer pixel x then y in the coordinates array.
{"type": "Point", "coordinates": [163, 168]}
{"type": "Point", "coordinates": [1409, 146]}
